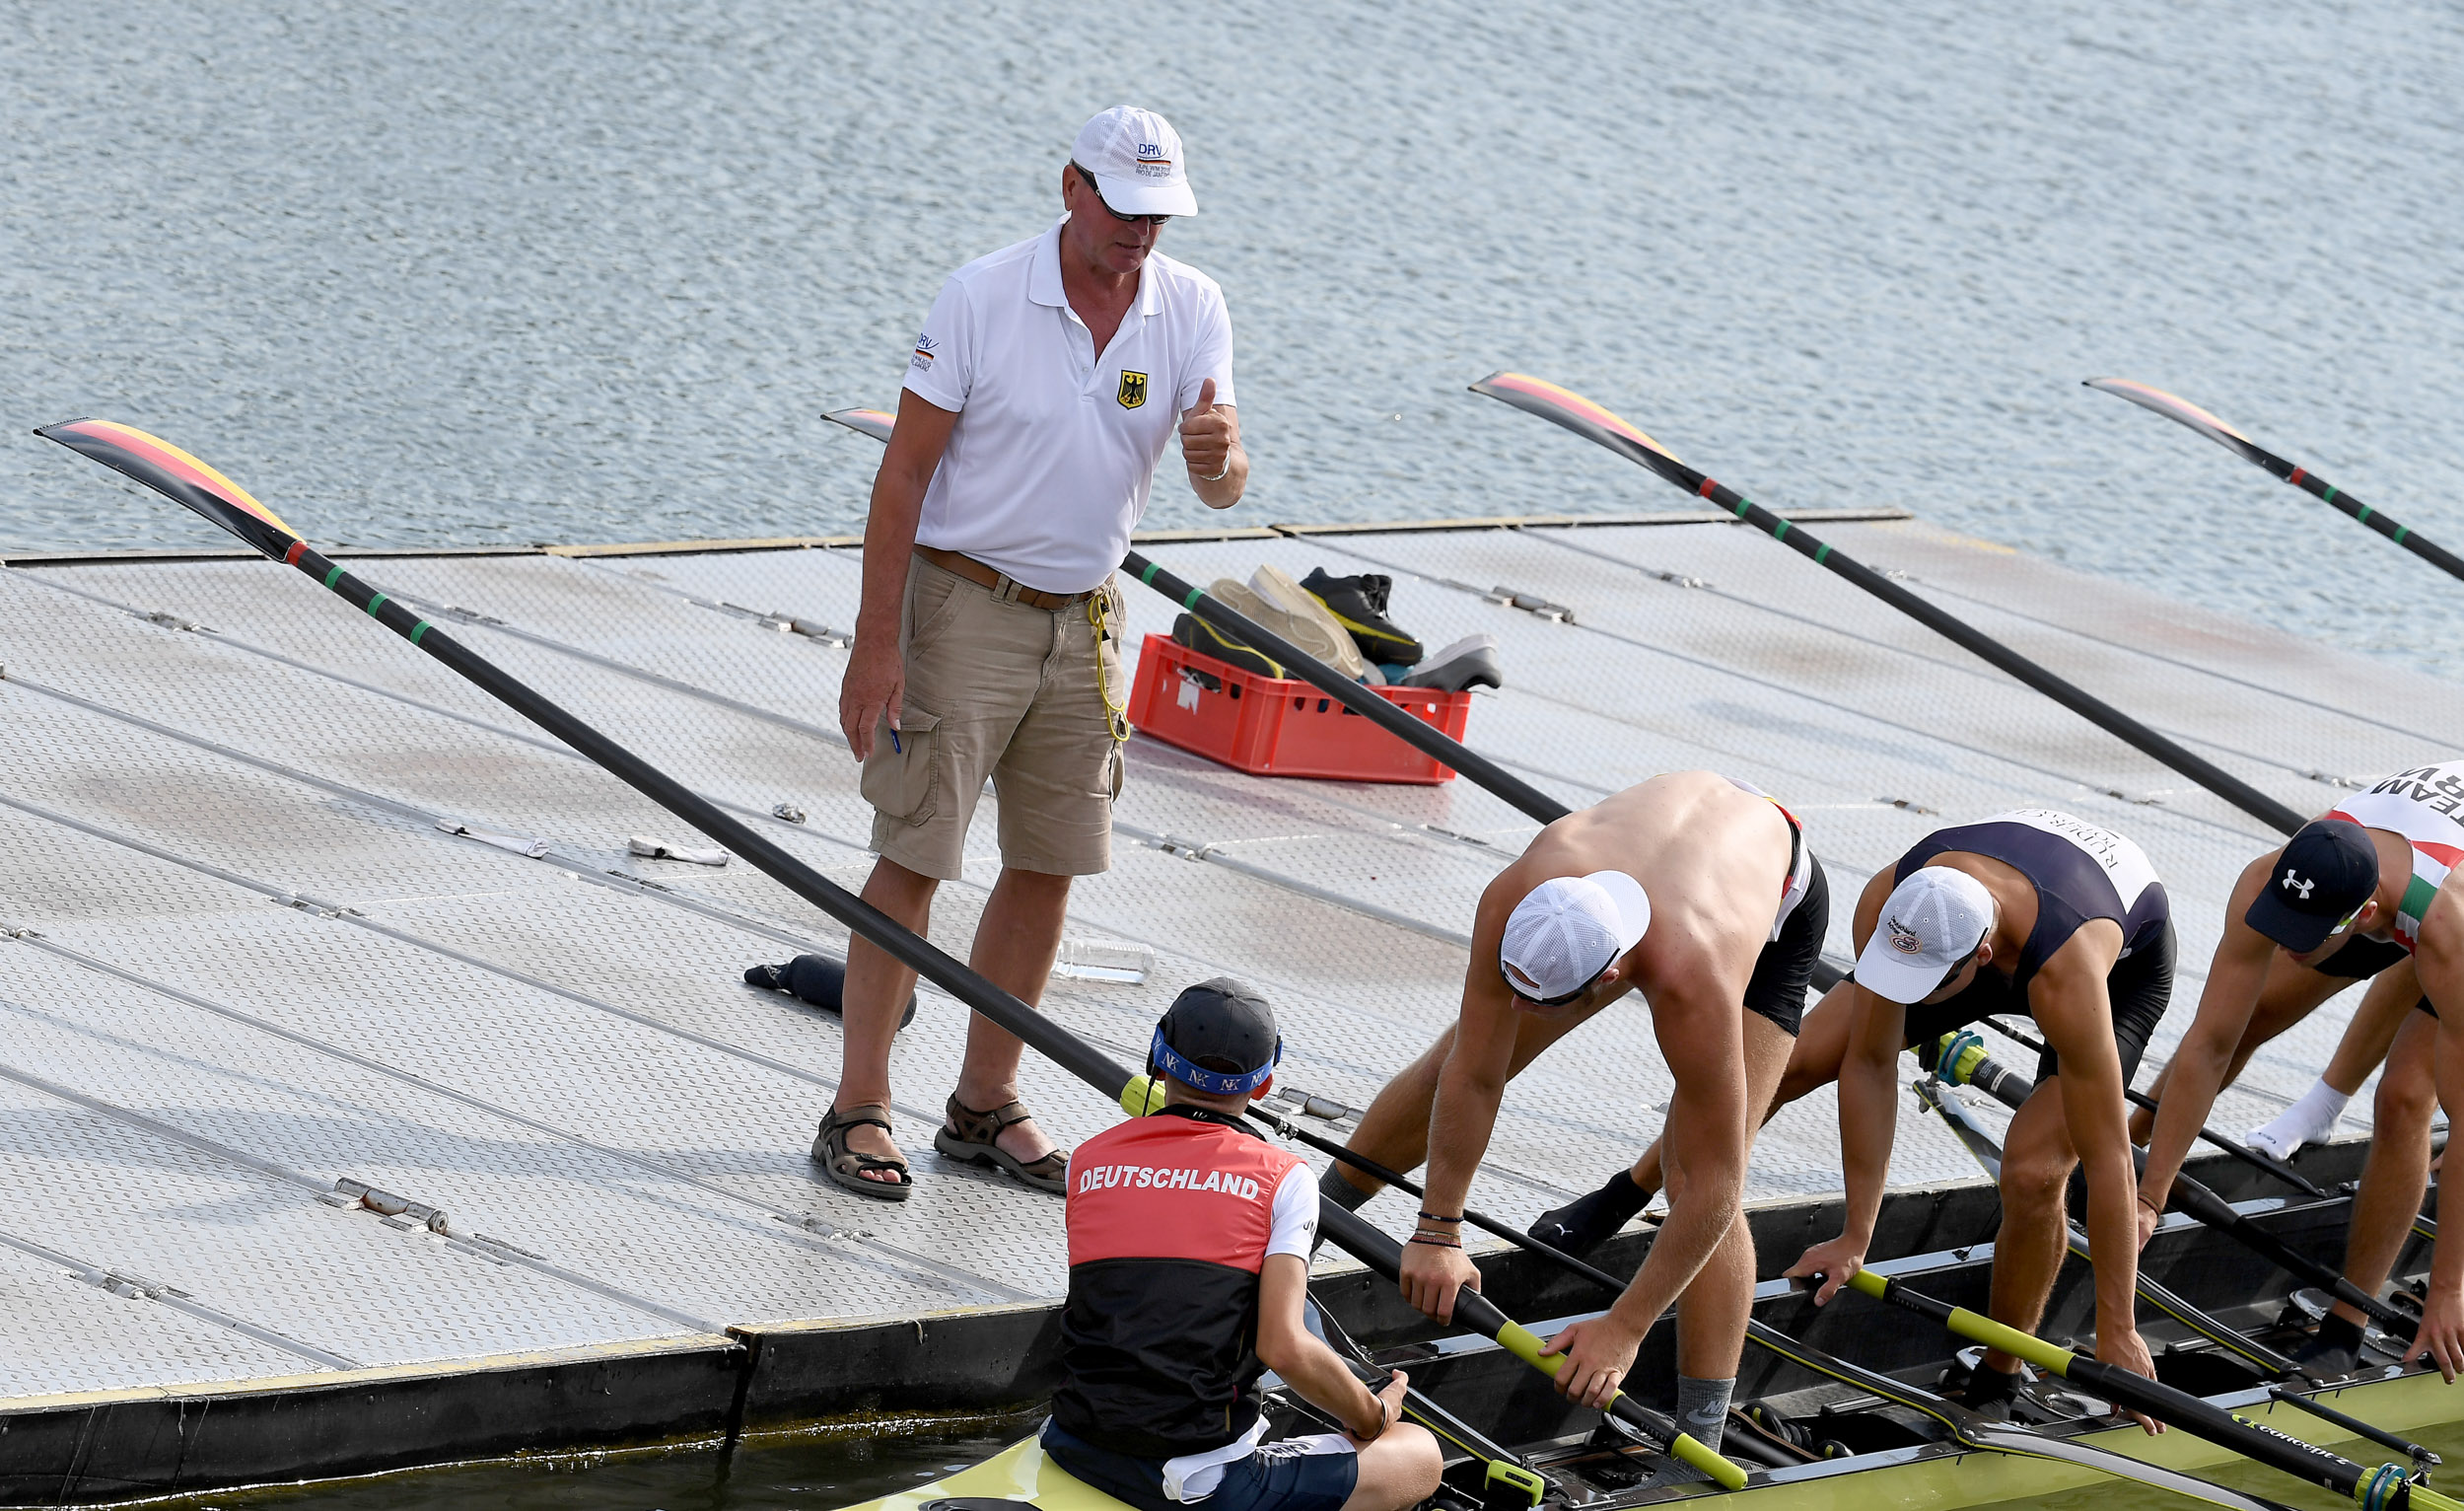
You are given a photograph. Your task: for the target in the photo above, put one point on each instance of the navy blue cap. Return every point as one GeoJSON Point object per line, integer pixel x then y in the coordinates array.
{"type": "Point", "coordinates": [2326, 872]}
{"type": "Point", "coordinates": [1218, 1037]}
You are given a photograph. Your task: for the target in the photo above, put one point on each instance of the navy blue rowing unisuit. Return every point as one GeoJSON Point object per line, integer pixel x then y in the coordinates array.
{"type": "Point", "coordinates": [2080, 872]}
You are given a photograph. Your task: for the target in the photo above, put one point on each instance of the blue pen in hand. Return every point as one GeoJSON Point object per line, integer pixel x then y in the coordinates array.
{"type": "Point", "coordinates": [894, 746]}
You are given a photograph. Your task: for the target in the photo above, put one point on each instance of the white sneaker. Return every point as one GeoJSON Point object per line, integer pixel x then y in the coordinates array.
{"type": "Point", "coordinates": [1275, 585]}
{"type": "Point", "coordinates": [1305, 634]}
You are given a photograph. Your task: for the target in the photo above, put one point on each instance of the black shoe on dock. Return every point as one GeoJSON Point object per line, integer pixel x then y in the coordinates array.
{"type": "Point", "coordinates": [1358, 604]}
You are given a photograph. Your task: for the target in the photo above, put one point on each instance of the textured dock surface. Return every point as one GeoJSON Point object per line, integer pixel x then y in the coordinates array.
{"type": "Point", "coordinates": [250, 961]}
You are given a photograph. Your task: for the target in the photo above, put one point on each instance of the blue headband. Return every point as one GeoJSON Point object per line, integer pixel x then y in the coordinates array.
{"type": "Point", "coordinates": [1219, 1083]}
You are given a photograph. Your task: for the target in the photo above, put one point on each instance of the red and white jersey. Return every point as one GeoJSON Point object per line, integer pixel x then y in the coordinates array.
{"type": "Point", "coordinates": [1170, 1219]}
{"type": "Point", "coordinates": [2422, 804]}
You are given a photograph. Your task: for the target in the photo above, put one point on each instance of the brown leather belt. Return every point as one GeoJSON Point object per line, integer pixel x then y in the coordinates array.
{"type": "Point", "coordinates": [1005, 588]}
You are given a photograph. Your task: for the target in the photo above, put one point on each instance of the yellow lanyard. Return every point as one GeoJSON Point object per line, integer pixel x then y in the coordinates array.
{"type": "Point", "coordinates": [1115, 715]}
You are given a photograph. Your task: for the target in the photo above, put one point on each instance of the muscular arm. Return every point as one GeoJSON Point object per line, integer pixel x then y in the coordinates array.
{"type": "Point", "coordinates": [2198, 1066]}
{"type": "Point", "coordinates": [2069, 1000]}
{"type": "Point", "coordinates": [1710, 1128]}
{"type": "Point", "coordinates": [875, 679]}
{"type": "Point", "coordinates": [1288, 1347]}
{"type": "Point", "coordinates": [2439, 959]}
{"type": "Point", "coordinates": [1470, 1087]}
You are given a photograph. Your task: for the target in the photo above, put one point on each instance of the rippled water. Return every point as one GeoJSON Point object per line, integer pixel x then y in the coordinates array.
{"type": "Point", "coordinates": [456, 274]}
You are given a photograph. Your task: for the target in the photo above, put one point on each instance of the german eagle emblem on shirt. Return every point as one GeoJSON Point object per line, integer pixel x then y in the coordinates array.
{"type": "Point", "coordinates": [1133, 390]}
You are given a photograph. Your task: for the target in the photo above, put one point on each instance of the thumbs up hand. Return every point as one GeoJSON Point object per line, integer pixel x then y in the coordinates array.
{"type": "Point", "coordinates": [1208, 438]}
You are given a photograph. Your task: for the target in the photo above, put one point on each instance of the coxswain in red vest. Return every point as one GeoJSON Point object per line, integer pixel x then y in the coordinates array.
{"type": "Point", "coordinates": [1189, 1268]}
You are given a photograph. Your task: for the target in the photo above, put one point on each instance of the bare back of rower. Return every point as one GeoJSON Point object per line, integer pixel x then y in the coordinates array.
{"type": "Point", "coordinates": [1720, 865]}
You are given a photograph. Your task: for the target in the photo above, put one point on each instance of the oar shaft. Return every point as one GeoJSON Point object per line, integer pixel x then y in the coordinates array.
{"type": "Point", "coordinates": [2195, 1200]}
{"type": "Point", "coordinates": [2207, 773]}
{"type": "Point", "coordinates": [1386, 715]}
{"type": "Point", "coordinates": [2385, 1486]}
{"type": "Point", "coordinates": [1518, 391]}
{"type": "Point", "coordinates": [2238, 1150]}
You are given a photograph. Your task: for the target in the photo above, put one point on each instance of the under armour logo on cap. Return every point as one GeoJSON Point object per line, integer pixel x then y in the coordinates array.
{"type": "Point", "coordinates": [2293, 883]}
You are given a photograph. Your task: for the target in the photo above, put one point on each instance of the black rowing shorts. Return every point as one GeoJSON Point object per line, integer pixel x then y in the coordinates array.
{"type": "Point", "coordinates": [1786, 966]}
{"type": "Point", "coordinates": [2139, 988]}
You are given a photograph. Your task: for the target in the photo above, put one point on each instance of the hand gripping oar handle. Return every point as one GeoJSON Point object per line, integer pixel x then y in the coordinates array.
{"type": "Point", "coordinates": [2385, 1488]}
{"type": "Point", "coordinates": [1386, 715]}
{"type": "Point", "coordinates": [185, 480]}
{"type": "Point", "coordinates": [2204, 1205]}
{"type": "Point", "coordinates": [1965, 1426]}
{"type": "Point", "coordinates": [1571, 410]}
{"type": "Point", "coordinates": [2186, 413]}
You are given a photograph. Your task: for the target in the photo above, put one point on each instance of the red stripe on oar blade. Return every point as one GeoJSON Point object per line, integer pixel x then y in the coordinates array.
{"type": "Point", "coordinates": [1572, 402]}
{"type": "Point", "coordinates": [166, 469]}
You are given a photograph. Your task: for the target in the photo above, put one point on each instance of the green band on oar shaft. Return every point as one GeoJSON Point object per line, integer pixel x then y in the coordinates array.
{"type": "Point", "coordinates": [2121, 726]}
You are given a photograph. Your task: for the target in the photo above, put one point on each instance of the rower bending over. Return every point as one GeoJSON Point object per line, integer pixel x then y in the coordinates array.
{"type": "Point", "coordinates": [1699, 892]}
{"type": "Point", "coordinates": [2033, 911]}
{"type": "Point", "coordinates": [2358, 889]}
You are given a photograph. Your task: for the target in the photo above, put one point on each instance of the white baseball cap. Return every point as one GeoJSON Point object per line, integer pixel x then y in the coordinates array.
{"type": "Point", "coordinates": [1931, 924]}
{"type": "Point", "coordinates": [1134, 156]}
{"type": "Point", "coordinates": [1568, 930]}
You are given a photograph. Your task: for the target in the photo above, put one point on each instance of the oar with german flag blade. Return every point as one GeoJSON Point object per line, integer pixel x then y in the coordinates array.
{"type": "Point", "coordinates": [185, 480]}
{"type": "Point", "coordinates": [1564, 407]}
{"type": "Point", "coordinates": [2183, 411]}
{"type": "Point", "coordinates": [1386, 714]}
{"type": "Point", "coordinates": [2384, 1488]}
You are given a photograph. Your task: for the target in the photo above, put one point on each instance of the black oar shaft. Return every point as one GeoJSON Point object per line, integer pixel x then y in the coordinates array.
{"type": "Point", "coordinates": [2205, 1206]}
{"type": "Point", "coordinates": [1386, 715]}
{"type": "Point", "coordinates": [2184, 412]}
{"type": "Point", "coordinates": [2238, 1150]}
{"type": "Point", "coordinates": [2383, 1486]}
{"type": "Point", "coordinates": [1522, 392]}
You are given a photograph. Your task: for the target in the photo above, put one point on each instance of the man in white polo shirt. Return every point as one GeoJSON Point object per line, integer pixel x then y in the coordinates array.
{"type": "Point", "coordinates": [1047, 382]}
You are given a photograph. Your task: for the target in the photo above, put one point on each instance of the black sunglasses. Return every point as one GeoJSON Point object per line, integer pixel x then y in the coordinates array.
{"type": "Point", "coordinates": [1092, 187]}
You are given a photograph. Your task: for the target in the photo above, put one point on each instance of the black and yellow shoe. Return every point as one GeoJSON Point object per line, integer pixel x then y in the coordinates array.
{"type": "Point", "coordinates": [1204, 638]}
{"type": "Point", "coordinates": [1358, 604]}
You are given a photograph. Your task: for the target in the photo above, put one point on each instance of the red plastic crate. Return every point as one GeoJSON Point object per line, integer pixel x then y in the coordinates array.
{"type": "Point", "coordinates": [1279, 727]}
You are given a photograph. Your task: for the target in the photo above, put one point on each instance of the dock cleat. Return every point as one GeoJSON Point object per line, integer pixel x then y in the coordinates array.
{"type": "Point", "coordinates": [1358, 604]}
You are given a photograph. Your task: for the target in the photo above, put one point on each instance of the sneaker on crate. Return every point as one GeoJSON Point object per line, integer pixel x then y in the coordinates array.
{"type": "Point", "coordinates": [1204, 638]}
{"type": "Point", "coordinates": [1358, 604]}
{"type": "Point", "coordinates": [1325, 642]}
{"type": "Point", "coordinates": [1301, 608]}
{"type": "Point", "coordinates": [1471, 662]}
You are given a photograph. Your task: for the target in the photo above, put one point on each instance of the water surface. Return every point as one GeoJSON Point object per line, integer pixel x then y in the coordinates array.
{"type": "Point", "coordinates": [452, 273]}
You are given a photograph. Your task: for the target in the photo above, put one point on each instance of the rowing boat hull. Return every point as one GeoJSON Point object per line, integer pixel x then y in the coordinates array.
{"type": "Point", "coordinates": [1934, 1479]}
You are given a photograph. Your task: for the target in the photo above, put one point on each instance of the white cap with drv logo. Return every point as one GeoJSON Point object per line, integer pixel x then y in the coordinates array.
{"type": "Point", "coordinates": [1134, 156]}
{"type": "Point", "coordinates": [1931, 924]}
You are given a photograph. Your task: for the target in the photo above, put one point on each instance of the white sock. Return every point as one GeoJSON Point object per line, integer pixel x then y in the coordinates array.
{"type": "Point", "coordinates": [2306, 1122]}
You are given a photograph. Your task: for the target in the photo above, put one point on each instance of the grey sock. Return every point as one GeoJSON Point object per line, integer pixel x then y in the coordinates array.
{"type": "Point", "coordinates": [1332, 1187]}
{"type": "Point", "coordinates": [1702, 1408]}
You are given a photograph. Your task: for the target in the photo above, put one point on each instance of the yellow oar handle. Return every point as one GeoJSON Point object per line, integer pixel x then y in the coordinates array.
{"type": "Point", "coordinates": [1525, 1344]}
{"type": "Point", "coordinates": [2377, 1490]}
{"type": "Point", "coordinates": [1978, 1329]}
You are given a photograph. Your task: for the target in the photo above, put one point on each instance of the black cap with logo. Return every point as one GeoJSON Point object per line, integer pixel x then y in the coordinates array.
{"type": "Point", "coordinates": [1218, 1037]}
{"type": "Point", "coordinates": [2327, 870]}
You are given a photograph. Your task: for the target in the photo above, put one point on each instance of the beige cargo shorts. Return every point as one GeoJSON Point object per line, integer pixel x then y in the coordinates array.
{"type": "Point", "coordinates": [1003, 690]}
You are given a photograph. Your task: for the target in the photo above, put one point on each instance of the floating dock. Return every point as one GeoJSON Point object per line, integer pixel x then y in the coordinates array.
{"type": "Point", "coordinates": [364, 1101]}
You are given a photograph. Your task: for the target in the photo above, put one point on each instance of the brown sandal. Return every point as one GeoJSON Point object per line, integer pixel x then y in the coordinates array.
{"type": "Point", "coordinates": [969, 1135]}
{"type": "Point", "coordinates": [845, 1167]}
